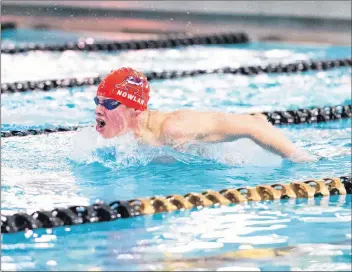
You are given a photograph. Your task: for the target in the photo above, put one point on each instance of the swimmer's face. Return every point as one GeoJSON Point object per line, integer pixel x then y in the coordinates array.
{"type": "Point", "coordinates": [110, 123]}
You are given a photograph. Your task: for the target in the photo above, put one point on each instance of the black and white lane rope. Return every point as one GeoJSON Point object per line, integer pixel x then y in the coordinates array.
{"type": "Point", "coordinates": [12, 133]}
{"type": "Point", "coordinates": [296, 67]}
{"type": "Point", "coordinates": [108, 46]}
{"type": "Point", "coordinates": [289, 117]}
{"type": "Point", "coordinates": [100, 212]}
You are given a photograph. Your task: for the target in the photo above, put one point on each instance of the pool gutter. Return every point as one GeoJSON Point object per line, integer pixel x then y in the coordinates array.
{"type": "Point", "coordinates": [111, 20]}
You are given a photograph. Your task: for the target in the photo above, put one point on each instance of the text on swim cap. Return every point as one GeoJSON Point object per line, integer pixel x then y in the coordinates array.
{"type": "Point", "coordinates": [130, 97]}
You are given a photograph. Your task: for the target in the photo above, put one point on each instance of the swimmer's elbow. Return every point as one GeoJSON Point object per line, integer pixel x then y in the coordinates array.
{"type": "Point", "coordinates": [258, 126]}
{"type": "Point", "coordinates": [243, 126]}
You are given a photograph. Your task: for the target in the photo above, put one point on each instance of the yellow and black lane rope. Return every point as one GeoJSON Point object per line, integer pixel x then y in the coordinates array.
{"type": "Point", "coordinates": [100, 212]}
{"type": "Point", "coordinates": [277, 68]}
{"type": "Point", "coordinates": [290, 117]}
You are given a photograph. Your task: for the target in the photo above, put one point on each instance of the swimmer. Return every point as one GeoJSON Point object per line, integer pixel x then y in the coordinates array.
{"type": "Point", "coordinates": [121, 107]}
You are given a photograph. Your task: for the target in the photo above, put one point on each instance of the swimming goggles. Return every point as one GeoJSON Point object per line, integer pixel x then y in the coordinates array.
{"type": "Point", "coordinates": [109, 104]}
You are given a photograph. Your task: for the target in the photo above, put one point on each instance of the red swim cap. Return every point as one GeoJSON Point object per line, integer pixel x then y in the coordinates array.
{"type": "Point", "coordinates": [127, 86]}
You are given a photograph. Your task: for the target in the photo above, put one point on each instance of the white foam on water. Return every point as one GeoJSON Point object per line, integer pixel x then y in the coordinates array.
{"type": "Point", "coordinates": [326, 267]}
{"type": "Point", "coordinates": [238, 268]}
{"type": "Point", "coordinates": [123, 151]}
{"type": "Point", "coordinates": [239, 152]}
{"type": "Point", "coordinates": [255, 240]}
{"type": "Point", "coordinates": [75, 63]}
{"type": "Point", "coordinates": [129, 152]}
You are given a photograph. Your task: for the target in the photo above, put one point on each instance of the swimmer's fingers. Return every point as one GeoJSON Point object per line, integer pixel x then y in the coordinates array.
{"type": "Point", "coordinates": [302, 156]}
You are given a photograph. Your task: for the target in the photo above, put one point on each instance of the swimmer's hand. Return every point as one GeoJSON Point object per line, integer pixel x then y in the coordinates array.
{"type": "Point", "coordinates": [301, 156]}
{"type": "Point", "coordinates": [257, 128]}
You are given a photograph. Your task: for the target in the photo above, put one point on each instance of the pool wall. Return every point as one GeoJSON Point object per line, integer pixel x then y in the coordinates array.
{"type": "Point", "coordinates": [305, 21]}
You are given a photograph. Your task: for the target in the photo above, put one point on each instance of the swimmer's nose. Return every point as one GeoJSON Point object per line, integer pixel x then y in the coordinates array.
{"type": "Point", "coordinates": [99, 110]}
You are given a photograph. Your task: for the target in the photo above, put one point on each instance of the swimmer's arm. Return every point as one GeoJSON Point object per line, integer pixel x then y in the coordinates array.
{"type": "Point", "coordinates": [257, 128]}
{"type": "Point", "coordinates": [224, 127]}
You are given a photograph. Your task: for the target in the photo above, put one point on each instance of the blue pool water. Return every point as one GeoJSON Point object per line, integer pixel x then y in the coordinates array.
{"type": "Point", "coordinates": [23, 36]}
{"type": "Point", "coordinates": [57, 170]}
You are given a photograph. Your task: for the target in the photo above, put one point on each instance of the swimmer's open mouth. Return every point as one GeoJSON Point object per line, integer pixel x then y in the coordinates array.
{"type": "Point", "coordinates": [100, 123]}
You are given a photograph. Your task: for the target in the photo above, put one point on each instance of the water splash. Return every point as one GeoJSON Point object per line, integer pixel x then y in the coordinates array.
{"type": "Point", "coordinates": [127, 151]}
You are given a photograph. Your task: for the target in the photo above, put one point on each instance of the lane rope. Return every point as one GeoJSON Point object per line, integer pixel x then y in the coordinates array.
{"type": "Point", "coordinates": [110, 46]}
{"type": "Point", "coordinates": [101, 212]}
{"type": "Point", "coordinates": [289, 117]}
{"type": "Point", "coordinates": [12, 133]}
{"type": "Point", "coordinates": [296, 67]}
{"type": "Point", "coordinates": [8, 25]}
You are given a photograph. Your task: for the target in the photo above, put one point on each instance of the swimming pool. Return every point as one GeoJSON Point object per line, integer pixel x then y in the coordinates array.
{"type": "Point", "coordinates": [61, 169]}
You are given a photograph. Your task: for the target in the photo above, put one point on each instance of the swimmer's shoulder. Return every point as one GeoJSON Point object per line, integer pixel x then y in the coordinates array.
{"type": "Point", "coordinates": [157, 123]}
{"type": "Point", "coordinates": [172, 125]}
{"type": "Point", "coordinates": [176, 117]}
